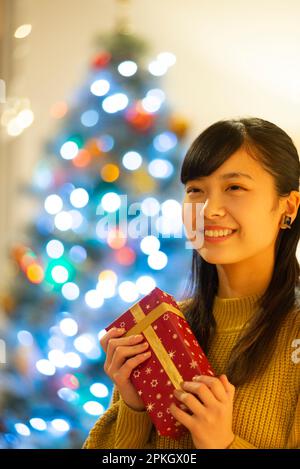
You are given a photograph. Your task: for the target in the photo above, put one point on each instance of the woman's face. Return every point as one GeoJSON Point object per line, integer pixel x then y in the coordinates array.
{"type": "Point", "coordinates": [248, 204]}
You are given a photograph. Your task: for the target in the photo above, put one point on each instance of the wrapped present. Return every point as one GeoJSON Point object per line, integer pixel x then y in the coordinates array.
{"type": "Point", "coordinates": [176, 356]}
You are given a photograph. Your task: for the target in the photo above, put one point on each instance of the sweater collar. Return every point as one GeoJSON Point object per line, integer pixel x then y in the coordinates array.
{"type": "Point", "coordinates": [233, 313]}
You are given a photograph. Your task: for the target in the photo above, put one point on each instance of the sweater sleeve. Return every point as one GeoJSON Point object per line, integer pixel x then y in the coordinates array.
{"type": "Point", "coordinates": [120, 427]}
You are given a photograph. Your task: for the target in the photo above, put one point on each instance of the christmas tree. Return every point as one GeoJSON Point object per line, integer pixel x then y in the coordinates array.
{"type": "Point", "coordinates": [108, 231]}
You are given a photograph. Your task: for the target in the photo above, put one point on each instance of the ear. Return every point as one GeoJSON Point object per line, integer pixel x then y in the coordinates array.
{"type": "Point", "coordinates": [291, 204]}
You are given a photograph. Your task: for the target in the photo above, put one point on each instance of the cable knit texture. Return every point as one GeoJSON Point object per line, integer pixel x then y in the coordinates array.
{"type": "Point", "coordinates": [266, 411]}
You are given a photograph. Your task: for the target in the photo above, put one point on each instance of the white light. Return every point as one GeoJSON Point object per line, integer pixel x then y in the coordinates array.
{"type": "Point", "coordinates": [145, 284]}
{"type": "Point", "coordinates": [67, 394]}
{"type": "Point", "coordinates": [25, 118]}
{"type": "Point", "coordinates": [149, 244]}
{"type": "Point", "coordinates": [73, 360]}
{"type": "Point", "coordinates": [128, 291]}
{"type": "Point", "coordinates": [22, 429]}
{"type": "Point", "coordinates": [14, 128]}
{"type": "Point", "coordinates": [63, 221]}
{"type": "Point", "coordinates": [60, 425]}
{"type": "Point", "coordinates": [79, 197]}
{"type": "Point", "coordinates": [68, 326]}
{"type": "Point", "coordinates": [132, 160]}
{"type": "Point", "coordinates": [157, 260]}
{"type": "Point", "coordinates": [77, 219]}
{"type": "Point", "coordinates": [157, 68]}
{"type": "Point", "coordinates": [25, 338]}
{"type": "Point", "coordinates": [100, 87]}
{"type": "Point", "coordinates": [156, 93]}
{"type": "Point", "coordinates": [166, 58]}
{"type": "Point", "coordinates": [93, 299]}
{"type": "Point", "coordinates": [56, 343]}
{"type": "Point", "coordinates": [23, 31]}
{"type": "Point", "coordinates": [84, 343]}
{"type": "Point", "coordinates": [99, 390]}
{"type": "Point", "coordinates": [45, 367]}
{"type": "Point", "coordinates": [89, 118]}
{"type": "Point", "coordinates": [160, 168]}
{"type": "Point", "coordinates": [151, 104]}
{"type": "Point", "coordinates": [165, 141]}
{"type": "Point", "coordinates": [114, 103]}
{"type": "Point", "coordinates": [150, 206]}
{"type": "Point", "coordinates": [171, 208]}
{"type": "Point", "coordinates": [93, 408]}
{"type": "Point", "coordinates": [60, 274]}
{"type": "Point", "coordinates": [38, 424]}
{"type": "Point", "coordinates": [127, 68]}
{"type": "Point", "coordinates": [69, 150]}
{"type": "Point", "coordinates": [168, 225]}
{"type": "Point", "coordinates": [106, 288]}
{"type": "Point", "coordinates": [70, 291]}
{"type": "Point", "coordinates": [55, 249]}
{"type": "Point", "coordinates": [53, 204]}
{"type": "Point", "coordinates": [101, 334]}
{"type": "Point", "coordinates": [111, 202]}
{"type": "Point", "coordinates": [57, 357]}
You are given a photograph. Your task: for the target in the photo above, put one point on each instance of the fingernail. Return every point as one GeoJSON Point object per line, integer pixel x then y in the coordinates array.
{"type": "Point", "coordinates": [196, 378]}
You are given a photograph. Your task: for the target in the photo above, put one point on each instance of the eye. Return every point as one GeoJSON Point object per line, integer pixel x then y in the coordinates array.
{"type": "Point", "coordinates": [236, 187]}
{"type": "Point", "coordinates": [193, 189]}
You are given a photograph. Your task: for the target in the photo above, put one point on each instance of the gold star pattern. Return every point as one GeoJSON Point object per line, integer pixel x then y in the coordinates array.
{"type": "Point", "coordinates": [159, 415]}
{"type": "Point", "coordinates": [148, 370]}
{"type": "Point", "coordinates": [140, 392]}
{"type": "Point", "coordinates": [165, 317]}
{"type": "Point", "coordinates": [154, 383]}
{"type": "Point", "coordinates": [136, 373]}
{"type": "Point", "coordinates": [172, 354]}
{"type": "Point", "coordinates": [193, 364]}
{"type": "Point", "coordinates": [150, 406]}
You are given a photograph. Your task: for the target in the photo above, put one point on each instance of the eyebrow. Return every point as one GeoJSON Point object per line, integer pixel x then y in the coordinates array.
{"type": "Point", "coordinates": [231, 176]}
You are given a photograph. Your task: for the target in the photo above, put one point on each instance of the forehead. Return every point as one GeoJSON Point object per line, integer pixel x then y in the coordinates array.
{"type": "Point", "coordinates": [240, 165]}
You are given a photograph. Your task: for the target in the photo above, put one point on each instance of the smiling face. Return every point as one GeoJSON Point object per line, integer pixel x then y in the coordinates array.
{"type": "Point", "coordinates": [247, 203]}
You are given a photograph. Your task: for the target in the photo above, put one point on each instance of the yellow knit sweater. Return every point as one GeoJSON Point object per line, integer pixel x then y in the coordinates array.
{"type": "Point", "coordinates": [266, 411]}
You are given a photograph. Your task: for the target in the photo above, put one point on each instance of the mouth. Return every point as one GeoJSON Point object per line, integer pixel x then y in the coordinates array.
{"type": "Point", "coordinates": [210, 238]}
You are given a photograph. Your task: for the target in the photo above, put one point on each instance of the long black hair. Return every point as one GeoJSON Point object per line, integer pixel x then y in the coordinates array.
{"type": "Point", "coordinates": [276, 152]}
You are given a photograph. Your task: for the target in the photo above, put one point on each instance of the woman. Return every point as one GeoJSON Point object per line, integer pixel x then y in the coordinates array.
{"type": "Point", "coordinates": [242, 177]}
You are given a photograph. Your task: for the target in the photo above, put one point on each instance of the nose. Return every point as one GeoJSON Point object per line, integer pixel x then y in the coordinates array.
{"type": "Point", "coordinates": [213, 208]}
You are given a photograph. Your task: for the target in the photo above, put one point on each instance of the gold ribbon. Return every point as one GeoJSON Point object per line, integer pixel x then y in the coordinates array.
{"type": "Point", "coordinates": [144, 324]}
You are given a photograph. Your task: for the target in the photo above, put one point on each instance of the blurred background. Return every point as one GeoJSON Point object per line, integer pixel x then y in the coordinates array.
{"type": "Point", "coordinates": [99, 100]}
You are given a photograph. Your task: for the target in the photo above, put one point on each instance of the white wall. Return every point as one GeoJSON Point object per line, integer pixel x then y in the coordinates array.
{"type": "Point", "coordinates": [234, 57]}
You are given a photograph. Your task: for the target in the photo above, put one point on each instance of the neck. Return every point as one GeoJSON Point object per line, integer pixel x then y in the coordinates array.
{"type": "Point", "coordinates": [248, 277]}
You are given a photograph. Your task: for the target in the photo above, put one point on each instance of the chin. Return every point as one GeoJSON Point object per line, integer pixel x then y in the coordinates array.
{"type": "Point", "coordinates": [216, 258]}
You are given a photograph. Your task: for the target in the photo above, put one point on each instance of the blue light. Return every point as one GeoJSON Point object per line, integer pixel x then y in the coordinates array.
{"type": "Point", "coordinates": [165, 141]}
{"type": "Point", "coordinates": [78, 254]}
{"type": "Point", "coordinates": [106, 143]}
{"type": "Point", "coordinates": [89, 118]}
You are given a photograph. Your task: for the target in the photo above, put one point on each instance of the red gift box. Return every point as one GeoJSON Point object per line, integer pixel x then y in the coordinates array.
{"type": "Point", "coordinates": [176, 356]}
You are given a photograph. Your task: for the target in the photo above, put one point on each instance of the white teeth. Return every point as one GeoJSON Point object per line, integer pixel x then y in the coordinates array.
{"type": "Point", "coordinates": [217, 233]}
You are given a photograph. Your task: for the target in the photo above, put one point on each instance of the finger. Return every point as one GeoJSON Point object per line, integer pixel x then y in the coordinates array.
{"type": "Point", "coordinates": [229, 388]}
{"type": "Point", "coordinates": [114, 332]}
{"type": "Point", "coordinates": [116, 341]}
{"type": "Point", "coordinates": [181, 416]}
{"type": "Point", "coordinates": [122, 353]}
{"type": "Point", "coordinates": [190, 401]}
{"type": "Point", "coordinates": [202, 391]}
{"type": "Point", "coordinates": [123, 373]}
{"type": "Point", "coordinates": [215, 385]}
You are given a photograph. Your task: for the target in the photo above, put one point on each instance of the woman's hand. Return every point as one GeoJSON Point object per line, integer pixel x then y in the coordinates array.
{"type": "Point", "coordinates": [123, 355]}
{"type": "Point", "coordinates": [210, 402]}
